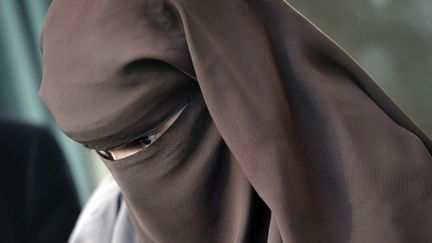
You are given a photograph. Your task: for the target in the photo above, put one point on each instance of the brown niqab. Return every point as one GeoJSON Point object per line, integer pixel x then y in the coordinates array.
{"type": "Point", "coordinates": [285, 137]}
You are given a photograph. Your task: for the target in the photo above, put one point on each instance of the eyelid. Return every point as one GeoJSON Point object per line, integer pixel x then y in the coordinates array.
{"type": "Point", "coordinates": [140, 143]}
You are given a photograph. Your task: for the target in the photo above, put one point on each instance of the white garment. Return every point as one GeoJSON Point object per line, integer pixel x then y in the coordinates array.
{"type": "Point", "coordinates": [104, 218]}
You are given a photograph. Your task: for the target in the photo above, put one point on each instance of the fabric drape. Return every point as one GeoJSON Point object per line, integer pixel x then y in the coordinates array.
{"type": "Point", "coordinates": [285, 138]}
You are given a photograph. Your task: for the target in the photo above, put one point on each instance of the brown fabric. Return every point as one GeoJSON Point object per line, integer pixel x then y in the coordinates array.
{"type": "Point", "coordinates": [285, 137]}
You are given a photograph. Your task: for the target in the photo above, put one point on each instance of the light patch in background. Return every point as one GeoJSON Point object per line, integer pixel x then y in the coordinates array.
{"type": "Point", "coordinates": [379, 3]}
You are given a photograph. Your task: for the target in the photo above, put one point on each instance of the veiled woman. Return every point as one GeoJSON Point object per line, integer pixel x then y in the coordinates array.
{"type": "Point", "coordinates": [280, 136]}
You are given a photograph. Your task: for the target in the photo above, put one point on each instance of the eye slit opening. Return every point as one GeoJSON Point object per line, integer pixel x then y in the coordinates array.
{"type": "Point", "coordinates": [141, 143]}
{"type": "Point", "coordinates": [128, 149]}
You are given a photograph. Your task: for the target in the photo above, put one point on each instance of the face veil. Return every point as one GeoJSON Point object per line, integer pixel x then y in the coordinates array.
{"type": "Point", "coordinates": [285, 138]}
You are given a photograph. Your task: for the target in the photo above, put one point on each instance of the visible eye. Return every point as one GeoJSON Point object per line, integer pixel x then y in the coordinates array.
{"type": "Point", "coordinates": [130, 148]}
{"type": "Point", "coordinates": [141, 143]}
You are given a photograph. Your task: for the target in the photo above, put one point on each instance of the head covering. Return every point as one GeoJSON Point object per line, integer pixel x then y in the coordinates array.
{"type": "Point", "coordinates": [285, 137]}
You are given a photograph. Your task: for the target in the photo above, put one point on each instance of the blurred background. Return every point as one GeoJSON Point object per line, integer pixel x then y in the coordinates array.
{"type": "Point", "coordinates": [392, 40]}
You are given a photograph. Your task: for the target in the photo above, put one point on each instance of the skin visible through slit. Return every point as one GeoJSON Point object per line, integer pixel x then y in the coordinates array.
{"type": "Point", "coordinates": [134, 147]}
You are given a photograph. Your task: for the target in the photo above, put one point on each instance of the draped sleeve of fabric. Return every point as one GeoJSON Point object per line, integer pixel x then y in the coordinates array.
{"type": "Point", "coordinates": [333, 157]}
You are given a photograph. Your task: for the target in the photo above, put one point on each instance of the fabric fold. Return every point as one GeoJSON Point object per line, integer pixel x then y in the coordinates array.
{"type": "Point", "coordinates": [286, 138]}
